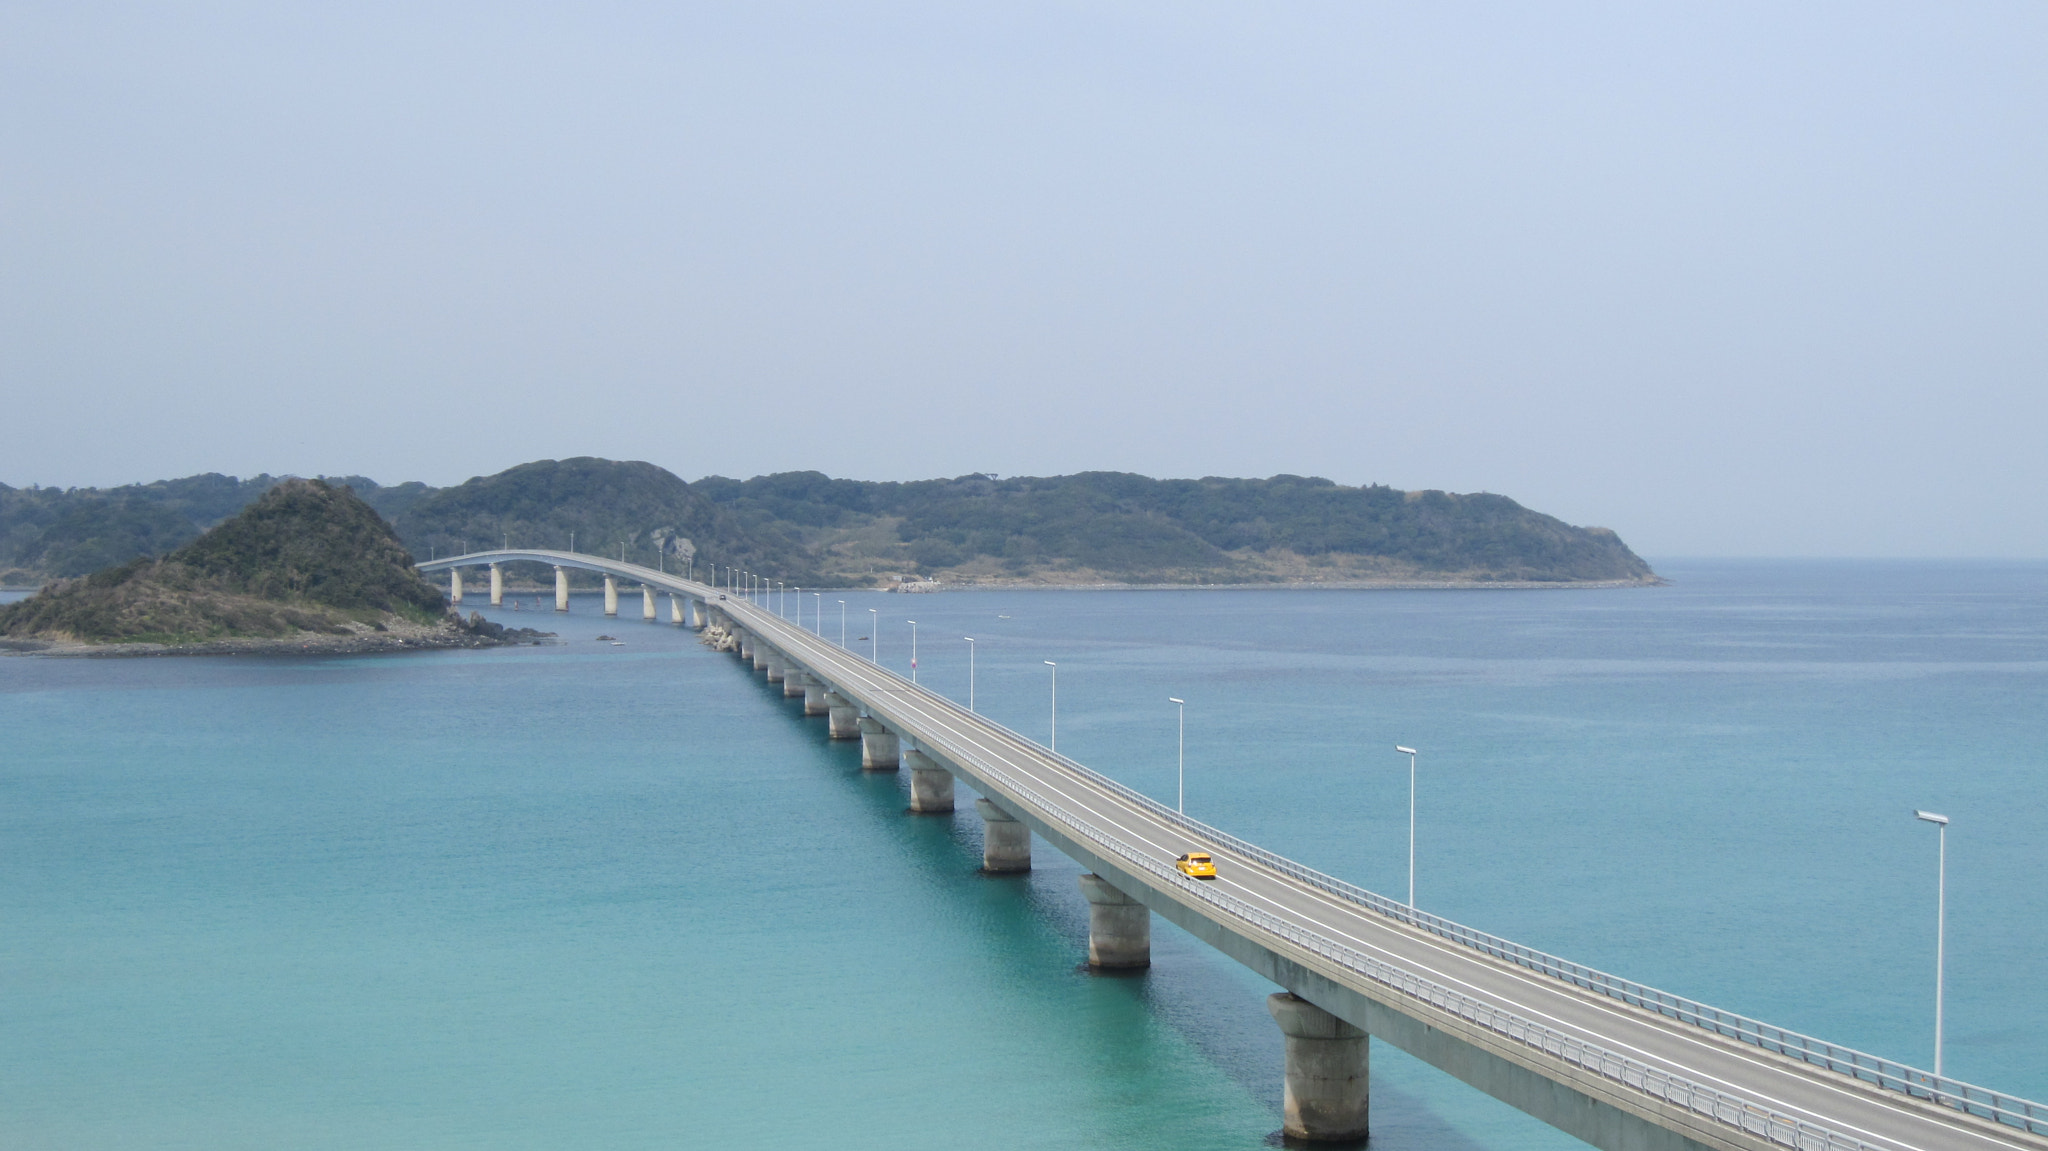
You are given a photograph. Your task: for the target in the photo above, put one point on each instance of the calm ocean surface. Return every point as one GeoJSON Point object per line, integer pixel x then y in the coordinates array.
{"type": "Point", "coordinates": [586, 896]}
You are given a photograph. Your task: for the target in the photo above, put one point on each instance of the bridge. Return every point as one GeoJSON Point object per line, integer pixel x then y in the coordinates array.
{"type": "Point", "coordinates": [1621, 1066]}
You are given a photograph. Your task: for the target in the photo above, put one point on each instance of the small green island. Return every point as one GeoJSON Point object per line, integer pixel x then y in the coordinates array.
{"type": "Point", "coordinates": [308, 566]}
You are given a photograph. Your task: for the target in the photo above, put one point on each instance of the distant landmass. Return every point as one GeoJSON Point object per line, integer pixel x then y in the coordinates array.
{"type": "Point", "coordinates": [809, 529]}
{"type": "Point", "coordinates": [305, 565]}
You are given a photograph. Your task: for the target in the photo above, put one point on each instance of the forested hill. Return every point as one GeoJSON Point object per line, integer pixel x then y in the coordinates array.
{"type": "Point", "coordinates": [807, 528]}
{"type": "Point", "coordinates": [1119, 527]}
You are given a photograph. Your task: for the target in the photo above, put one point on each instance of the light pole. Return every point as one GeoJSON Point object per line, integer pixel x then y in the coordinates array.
{"type": "Point", "coordinates": [1410, 753]}
{"type": "Point", "coordinates": [1940, 923]}
{"type": "Point", "coordinates": [1182, 805]}
{"type": "Point", "coordinates": [842, 623]}
{"type": "Point", "coordinates": [913, 649]}
{"type": "Point", "coordinates": [818, 615]}
{"type": "Point", "coordinates": [1055, 745]}
{"type": "Point", "coordinates": [874, 636]}
{"type": "Point", "coordinates": [970, 671]}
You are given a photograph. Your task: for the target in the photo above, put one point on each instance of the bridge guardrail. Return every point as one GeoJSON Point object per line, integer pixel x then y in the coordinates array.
{"type": "Point", "coordinates": [1887, 1074]}
{"type": "Point", "coordinates": [1774, 1126]}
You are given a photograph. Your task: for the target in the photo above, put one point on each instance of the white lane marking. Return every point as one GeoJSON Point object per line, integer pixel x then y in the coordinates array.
{"type": "Point", "coordinates": [1049, 774]}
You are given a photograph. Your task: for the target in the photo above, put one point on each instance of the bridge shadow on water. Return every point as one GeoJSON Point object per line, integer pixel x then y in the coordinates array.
{"type": "Point", "coordinates": [1035, 926]}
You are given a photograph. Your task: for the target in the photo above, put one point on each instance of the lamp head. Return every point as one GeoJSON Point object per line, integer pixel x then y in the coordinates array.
{"type": "Point", "coordinates": [1406, 750]}
{"type": "Point", "coordinates": [1176, 699]}
{"type": "Point", "coordinates": [1050, 663]}
{"type": "Point", "coordinates": [1930, 817]}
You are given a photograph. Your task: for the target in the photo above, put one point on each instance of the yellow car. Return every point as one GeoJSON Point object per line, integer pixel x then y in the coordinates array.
{"type": "Point", "coordinates": [1196, 864]}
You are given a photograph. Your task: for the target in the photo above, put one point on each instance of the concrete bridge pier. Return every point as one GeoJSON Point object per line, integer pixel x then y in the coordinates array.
{"type": "Point", "coordinates": [814, 696]}
{"type": "Point", "coordinates": [675, 609]}
{"type": "Point", "coordinates": [1005, 843]}
{"type": "Point", "coordinates": [746, 645]}
{"type": "Point", "coordinates": [793, 683]}
{"type": "Point", "coordinates": [931, 786]}
{"type": "Point", "coordinates": [842, 718]}
{"type": "Point", "coordinates": [561, 590]}
{"type": "Point", "coordinates": [1328, 1072]}
{"type": "Point", "coordinates": [455, 585]}
{"type": "Point", "coordinates": [1119, 927]}
{"type": "Point", "coordinates": [880, 750]}
{"type": "Point", "coordinates": [778, 667]}
{"type": "Point", "coordinates": [497, 587]}
{"type": "Point", "coordinates": [700, 616]}
{"type": "Point", "coordinates": [763, 655]}
{"type": "Point", "coordinates": [611, 596]}
{"type": "Point", "coordinates": [647, 604]}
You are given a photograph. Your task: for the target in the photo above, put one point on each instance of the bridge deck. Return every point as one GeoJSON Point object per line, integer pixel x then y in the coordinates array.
{"type": "Point", "coordinates": [1447, 985]}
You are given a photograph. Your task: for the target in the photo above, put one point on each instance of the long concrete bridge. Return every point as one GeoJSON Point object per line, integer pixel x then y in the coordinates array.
{"type": "Point", "coordinates": [1622, 1066]}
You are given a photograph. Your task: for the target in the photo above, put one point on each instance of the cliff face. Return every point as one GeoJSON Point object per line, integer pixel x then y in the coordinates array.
{"type": "Point", "coordinates": [305, 558]}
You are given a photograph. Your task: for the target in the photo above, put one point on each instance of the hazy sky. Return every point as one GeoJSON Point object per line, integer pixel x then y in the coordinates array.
{"type": "Point", "coordinates": [1730, 278]}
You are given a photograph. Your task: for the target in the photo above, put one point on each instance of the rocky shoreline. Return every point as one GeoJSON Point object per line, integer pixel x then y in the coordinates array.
{"type": "Point", "coordinates": [475, 632]}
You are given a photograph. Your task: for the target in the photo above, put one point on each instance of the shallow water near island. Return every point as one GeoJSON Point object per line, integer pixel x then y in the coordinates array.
{"type": "Point", "coordinates": [607, 896]}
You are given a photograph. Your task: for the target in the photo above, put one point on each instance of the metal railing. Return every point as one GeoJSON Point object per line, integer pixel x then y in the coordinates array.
{"type": "Point", "coordinates": [1763, 1122]}
{"type": "Point", "coordinates": [2013, 1111]}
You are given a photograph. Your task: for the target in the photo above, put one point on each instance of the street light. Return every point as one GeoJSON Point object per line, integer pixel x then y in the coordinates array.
{"type": "Point", "coordinates": [842, 623]}
{"type": "Point", "coordinates": [970, 671]}
{"type": "Point", "coordinates": [1410, 753]}
{"type": "Point", "coordinates": [874, 636]}
{"type": "Point", "coordinates": [1055, 746]}
{"type": "Point", "coordinates": [1182, 805]}
{"type": "Point", "coordinates": [1940, 922]}
{"type": "Point", "coordinates": [913, 649]}
{"type": "Point", "coordinates": [818, 615]}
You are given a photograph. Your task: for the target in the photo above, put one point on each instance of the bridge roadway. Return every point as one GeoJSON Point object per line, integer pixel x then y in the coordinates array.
{"type": "Point", "coordinates": [1616, 1075]}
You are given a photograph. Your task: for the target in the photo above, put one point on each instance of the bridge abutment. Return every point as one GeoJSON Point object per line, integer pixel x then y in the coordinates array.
{"type": "Point", "coordinates": [1005, 843]}
{"type": "Point", "coordinates": [561, 589]}
{"type": "Point", "coordinates": [1328, 1072]}
{"type": "Point", "coordinates": [611, 596]}
{"type": "Point", "coordinates": [842, 718]}
{"type": "Point", "coordinates": [497, 586]}
{"type": "Point", "coordinates": [1119, 927]}
{"type": "Point", "coordinates": [931, 786]}
{"type": "Point", "coordinates": [880, 750]}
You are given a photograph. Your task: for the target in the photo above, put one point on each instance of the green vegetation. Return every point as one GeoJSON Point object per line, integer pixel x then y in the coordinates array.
{"type": "Point", "coordinates": [1133, 529]}
{"type": "Point", "coordinates": [613, 508]}
{"type": "Point", "coordinates": [305, 557]}
{"type": "Point", "coordinates": [57, 532]}
{"type": "Point", "coordinates": [809, 529]}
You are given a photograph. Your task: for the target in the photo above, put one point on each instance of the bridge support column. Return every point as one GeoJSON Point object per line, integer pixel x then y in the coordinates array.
{"type": "Point", "coordinates": [675, 609]}
{"type": "Point", "coordinates": [814, 697]}
{"type": "Point", "coordinates": [1119, 927]}
{"type": "Point", "coordinates": [931, 786]}
{"type": "Point", "coordinates": [763, 655]}
{"type": "Point", "coordinates": [793, 683]}
{"type": "Point", "coordinates": [1328, 1072]}
{"type": "Point", "coordinates": [880, 750]}
{"type": "Point", "coordinates": [455, 585]}
{"type": "Point", "coordinates": [561, 590]}
{"type": "Point", "coordinates": [746, 645]}
{"type": "Point", "coordinates": [497, 587]}
{"type": "Point", "coordinates": [611, 596]}
{"type": "Point", "coordinates": [1005, 843]}
{"type": "Point", "coordinates": [843, 719]}
{"type": "Point", "coordinates": [647, 604]}
{"type": "Point", "coordinates": [777, 669]}
{"type": "Point", "coordinates": [700, 615]}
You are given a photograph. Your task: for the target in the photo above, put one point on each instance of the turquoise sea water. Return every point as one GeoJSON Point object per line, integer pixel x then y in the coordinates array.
{"type": "Point", "coordinates": [620, 897]}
